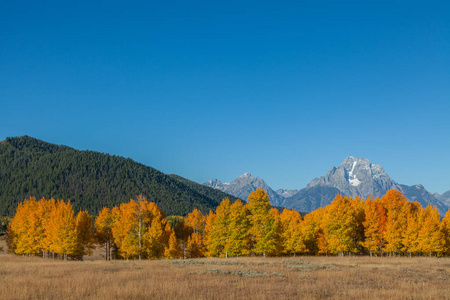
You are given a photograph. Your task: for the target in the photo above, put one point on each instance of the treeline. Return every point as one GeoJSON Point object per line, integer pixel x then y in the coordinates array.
{"type": "Point", "coordinates": [348, 226]}
{"type": "Point", "coordinates": [50, 228]}
{"type": "Point", "coordinates": [91, 180]}
{"type": "Point", "coordinates": [140, 230]}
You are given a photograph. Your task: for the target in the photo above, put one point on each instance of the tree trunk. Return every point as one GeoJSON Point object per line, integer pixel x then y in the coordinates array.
{"type": "Point", "coordinates": [140, 224]}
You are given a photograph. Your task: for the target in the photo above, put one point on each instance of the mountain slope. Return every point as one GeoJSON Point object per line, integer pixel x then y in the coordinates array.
{"type": "Point", "coordinates": [244, 185]}
{"type": "Point", "coordinates": [356, 177]}
{"type": "Point", "coordinates": [444, 198]}
{"type": "Point", "coordinates": [311, 198]}
{"type": "Point", "coordinates": [420, 194]}
{"type": "Point", "coordinates": [91, 180]}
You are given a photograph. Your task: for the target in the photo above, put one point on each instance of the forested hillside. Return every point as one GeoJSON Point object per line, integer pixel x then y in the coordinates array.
{"type": "Point", "coordinates": [91, 180]}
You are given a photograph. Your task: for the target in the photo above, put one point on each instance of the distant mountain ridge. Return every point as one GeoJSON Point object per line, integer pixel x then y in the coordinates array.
{"type": "Point", "coordinates": [444, 198]}
{"type": "Point", "coordinates": [354, 177]}
{"type": "Point", "coordinates": [244, 185]}
{"type": "Point", "coordinates": [91, 180]}
{"type": "Point", "coordinates": [286, 193]}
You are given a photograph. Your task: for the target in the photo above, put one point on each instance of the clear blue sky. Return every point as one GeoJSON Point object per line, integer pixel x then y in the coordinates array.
{"type": "Point", "coordinates": [213, 89]}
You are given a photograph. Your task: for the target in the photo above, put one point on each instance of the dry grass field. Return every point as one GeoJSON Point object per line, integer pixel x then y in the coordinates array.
{"type": "Point", "coordinates": [233, 278]}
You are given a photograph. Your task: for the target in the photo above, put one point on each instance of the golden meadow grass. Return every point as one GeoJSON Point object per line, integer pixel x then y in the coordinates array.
{"type": "Point", "coordinates": [232, 278]}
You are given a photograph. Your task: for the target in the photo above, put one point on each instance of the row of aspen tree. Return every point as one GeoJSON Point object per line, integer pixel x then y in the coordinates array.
{"type": "Point", "coordinates": [140, 230]}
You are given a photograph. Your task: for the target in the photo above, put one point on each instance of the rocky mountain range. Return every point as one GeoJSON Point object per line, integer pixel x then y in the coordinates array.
{"type": "Point", "coordinates": [244, 185]}
{"type": "Point", "coordinates": [354, 177]}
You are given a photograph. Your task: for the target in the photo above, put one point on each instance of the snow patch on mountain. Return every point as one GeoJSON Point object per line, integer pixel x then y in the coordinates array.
{"type": "Point", "coordinates": [352, 176]}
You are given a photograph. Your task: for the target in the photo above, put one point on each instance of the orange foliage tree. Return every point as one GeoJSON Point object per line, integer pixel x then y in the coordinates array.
{"type": "Point", "coordinates": [139, 229]}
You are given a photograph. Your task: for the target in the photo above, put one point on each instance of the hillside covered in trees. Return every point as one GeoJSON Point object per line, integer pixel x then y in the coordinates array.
{"type": "Point", "coordinates": [91, 180]}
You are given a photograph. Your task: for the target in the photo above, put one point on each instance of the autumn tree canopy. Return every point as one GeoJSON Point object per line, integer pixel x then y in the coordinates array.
{"type": "Point", "coordinates": [140, 230]}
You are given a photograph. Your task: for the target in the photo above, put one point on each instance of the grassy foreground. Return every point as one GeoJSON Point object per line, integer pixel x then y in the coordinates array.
{"type": "Point", "coordinates": [233, 278]}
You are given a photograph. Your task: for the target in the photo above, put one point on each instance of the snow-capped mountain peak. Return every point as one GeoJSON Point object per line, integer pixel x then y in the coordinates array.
{"type": "Point", "coordinates": [357, 177]}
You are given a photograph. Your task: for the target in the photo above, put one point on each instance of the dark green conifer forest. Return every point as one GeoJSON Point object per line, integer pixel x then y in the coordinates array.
{"type": "Point", "coordinates": [91, 180]}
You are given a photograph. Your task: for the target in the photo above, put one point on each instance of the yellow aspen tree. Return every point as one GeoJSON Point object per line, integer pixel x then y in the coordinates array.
{"type": "Point", "coordinates": [312, 224]}
{"type": "Point", "coordinates": [269, 242]}
{"type": "Point", "coordinates": [410, 236]}
{"type": "Point", "coordinates": [20, 239]}
{"type": "Point", "coordinates": [114, 248]}
{"type": "Point", "coordinates": [207, 237]}
{"type": "Point", "coordinates": [359, 206]}
{"type": "Point", "coordinates": [45, 208]}
{"type": "Point", "coordinates": [218, 231]}
{"type": "Point", "coordinates": [340, 225]}
{"type": "Point", "coordinates": [238, 227]}
{"type": "Point", "coordinates": [51, 227]}
{"type": "Point", "coordinates": [140, 229]}
{"type": "Point", "coordinates": [125, 230]}
{"type": "Point", "coordinates": [396, 223]}
{"type": "Point", "coordinates": [431, 238]}
{"type": "Point", "coordinates": [63, 227]}
{"type": "Point", "coordinates": [103, 230]}
{"type": "Point", "coordinates": [30, 242]}
{"type": "Point", "coordinates": [154, 239]}
{"type": "Point", "coordinates": [258, 205]}
{"type": "Point", "coordinates": [129, 228]}
{"type": "Point", "coordinates": [85, 237]}
{"type": "Point", "coordinates": [173, 250]}
{"type": "Point", "coordinates": [158, 233]}
{"type": "Point", "coordinates": [26, 233]}
{"type": "Point", "coordinates": [291, 234]}
{"type": "Point", "coordinates": [167, 231]}
{"type": "Point", "coordinates": [374, 226]}
{"type": "Point", "coordinates": [194, 246]}
{"type": "Point", "coordinates": [322, 243]}
{"type": "Point", "coordinates": [371, 242]}
{"type": "Point", "coordinates": [195, 223]}
{"type": "Point", "coordinates": [445, 229]}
